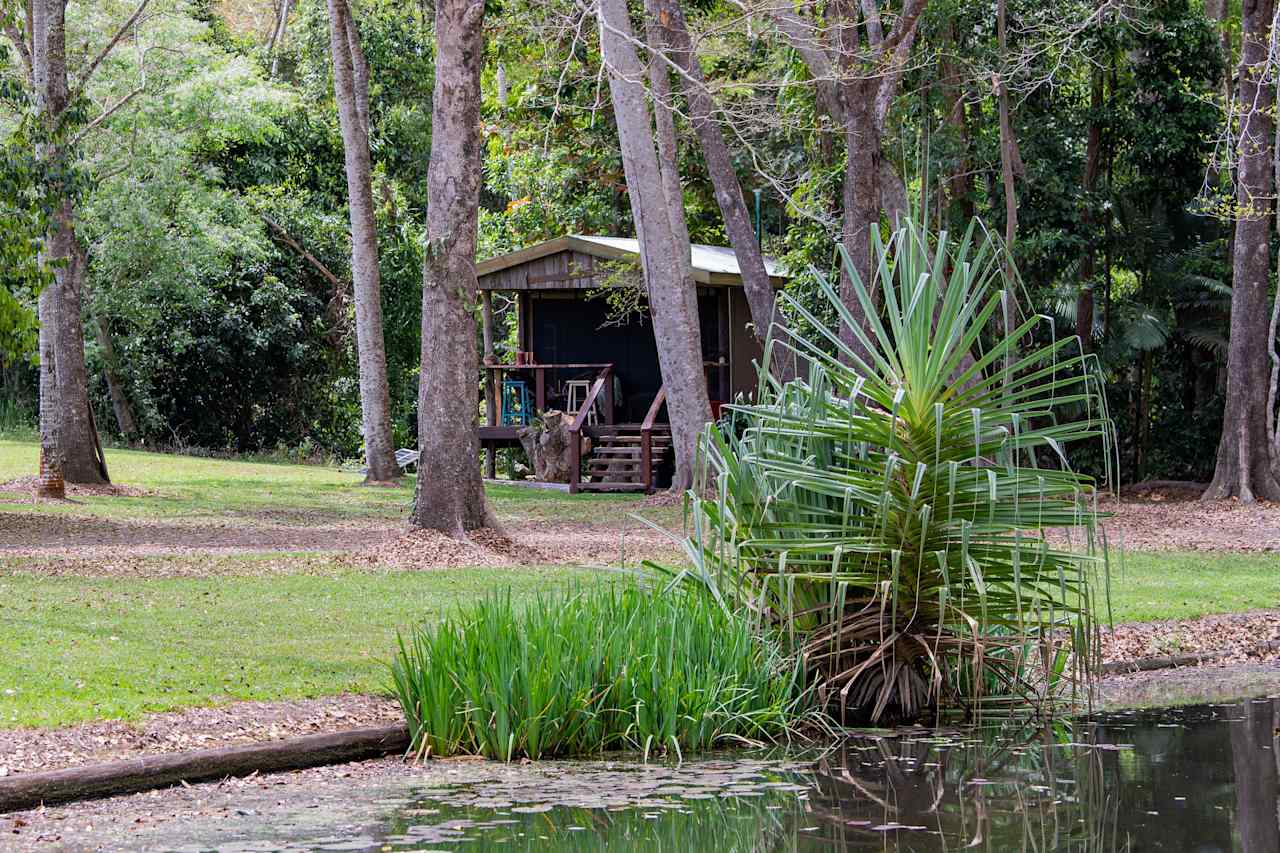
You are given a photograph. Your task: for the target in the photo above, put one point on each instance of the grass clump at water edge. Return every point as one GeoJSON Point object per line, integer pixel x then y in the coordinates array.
{"type": "Point", "coordinates": [590, 670]}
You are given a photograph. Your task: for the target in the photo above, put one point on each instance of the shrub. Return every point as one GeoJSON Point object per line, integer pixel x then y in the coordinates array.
{"type": "Point", "coordinates": [590, 670]}
{"type": "Point", "coordinates": [889, 511]}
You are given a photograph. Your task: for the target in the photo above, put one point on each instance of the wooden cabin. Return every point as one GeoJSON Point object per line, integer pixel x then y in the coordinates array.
{"type": "Point", "coordinates": [575, 355]}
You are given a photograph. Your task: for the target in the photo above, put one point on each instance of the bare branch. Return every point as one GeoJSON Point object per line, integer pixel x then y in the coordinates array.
{"type": "Point", "coordinates": [106, 114]}
{"type": "Point", "coordinates": [106, 50]}
{"type": "Point", "coordinates": [24, 49]}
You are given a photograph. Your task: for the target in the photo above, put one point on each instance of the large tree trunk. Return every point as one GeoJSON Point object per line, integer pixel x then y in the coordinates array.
{"type": "Point", "coordinates": [351, 92]}
{"type": "Point", "coordinates": [861, 199]}
{"type": "Point", "coordinates": [765, 313]}
{"type": "Point", "coordinates": [450, 492]}
{"type": "Point", "coordinates": [69, 446]}
{"type": "Point", "coordinates": [1244, 453]}
{"type": "Point", "coordinates": [672, 296]}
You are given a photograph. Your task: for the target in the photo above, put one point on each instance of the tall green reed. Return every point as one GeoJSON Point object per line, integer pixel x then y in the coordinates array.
{"type": "Point", "coordinates": [580, 672]}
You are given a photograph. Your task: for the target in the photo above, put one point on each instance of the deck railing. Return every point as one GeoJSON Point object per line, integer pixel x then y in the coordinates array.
{"type": "Point", "coordinates": [646, 439]}
{"type": "Point", "coordinates": [603, 380]}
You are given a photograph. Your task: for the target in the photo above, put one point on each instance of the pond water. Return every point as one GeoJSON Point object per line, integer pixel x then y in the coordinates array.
{"type": "Point", "coordinates": [1195, 779]}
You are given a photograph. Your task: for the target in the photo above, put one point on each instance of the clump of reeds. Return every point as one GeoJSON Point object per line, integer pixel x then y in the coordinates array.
{"type": "Point", "coordinates": [581, 672]}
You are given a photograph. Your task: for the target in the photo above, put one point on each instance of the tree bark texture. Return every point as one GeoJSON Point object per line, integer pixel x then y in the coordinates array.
{"type": "Point", "coordinates": [1243, 467]}
{"type": "Point", "coordinates": [1010, 163]}
{"type": "Point", "coordinates": [1092, 168]}
{"type": "Point", "coordinates": [351, 92]}
{"type": "Point", "coordinates": [69, 446]}
{"type": "Point", "coordinates": [860, 195]}
{"type": "Point", "coordinates": [765, 313]}
{"type": "Point", "coordinates": [857, 67]}
{"type": "Point", "coordinates": [672, 295]}
{"type": "Point", "coordinates": [450, 492]}
{"type": "Point", "coordinates": [664, 120]}
{"type": "Point", "coordinates": [548, 446]}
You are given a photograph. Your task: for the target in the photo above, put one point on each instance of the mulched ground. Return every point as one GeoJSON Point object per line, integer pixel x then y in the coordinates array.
{"type": "Point", "coordinates": [27, 486]}
{"type": "Point", "coordinates": [1172, 524]}
{"type": "Point", "coordinates": [1236, 633]}
{"type": "Point", "coordinates": [29, 749]}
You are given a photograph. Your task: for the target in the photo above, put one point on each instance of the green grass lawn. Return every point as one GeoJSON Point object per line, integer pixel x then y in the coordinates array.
{"type": "Point", "coordinates": [1147, 586]}
{"type": "Point", "coordinates": [76, 648]}
{"type": "Point", "coordinates": [199, 489]}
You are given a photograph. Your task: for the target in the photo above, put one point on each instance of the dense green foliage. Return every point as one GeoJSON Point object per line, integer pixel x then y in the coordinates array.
{"type": "Point", "coordinates": [587, 671]}
{"type": "Point", "coordinates": [890, 510]}
{"type": "Point", "coordinates": [226, 338]}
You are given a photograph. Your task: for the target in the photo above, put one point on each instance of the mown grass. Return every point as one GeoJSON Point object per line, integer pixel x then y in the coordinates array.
{"type": "Point", "coordinates": [192, 641]}
{"type": "Point", "coordinates": [1152, 585]}
{"type": "Point", "coordinates": [83, 648]}
{"type": "Point", "coordinates": [196, 489]}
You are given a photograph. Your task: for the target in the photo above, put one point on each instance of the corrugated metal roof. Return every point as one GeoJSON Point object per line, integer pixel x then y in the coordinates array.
{"type": "Point", "coordinates": [712, 259]}
{"type": "Point", "coordinates": [711, 264]}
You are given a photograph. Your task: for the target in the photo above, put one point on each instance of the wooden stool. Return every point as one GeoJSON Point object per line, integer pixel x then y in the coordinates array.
{"type": "Point", "coordinates": [578, 390]}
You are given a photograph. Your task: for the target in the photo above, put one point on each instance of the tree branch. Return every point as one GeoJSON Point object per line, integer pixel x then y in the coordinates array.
{"type": "Point", "coordinates": [339, 286]}
{"type": "Point", "coordinates": [24, 50]}
{"type": "Point", "coordinates": [106, 114]}
{"type": "Point", "coordinates": [898, 47]}
{"type": "Point", "coordinates": [110, 46]}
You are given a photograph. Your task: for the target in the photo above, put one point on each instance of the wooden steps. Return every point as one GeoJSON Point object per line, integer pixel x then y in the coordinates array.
{"type": "Point", "coordinates": [616, 462]}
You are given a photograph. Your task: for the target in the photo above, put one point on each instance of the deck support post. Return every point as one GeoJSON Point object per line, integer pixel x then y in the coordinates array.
{"type": "Point", "coordinates": [490, 394]}
{"type": "Point", "coordinates": [575, 460]}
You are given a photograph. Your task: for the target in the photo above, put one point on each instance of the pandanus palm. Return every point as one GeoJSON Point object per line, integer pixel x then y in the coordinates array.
{"type": "Point", "coordinates": [890, 512]}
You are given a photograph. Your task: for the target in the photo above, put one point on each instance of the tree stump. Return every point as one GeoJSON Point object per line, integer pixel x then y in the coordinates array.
{"type": "Point", "coordinates": [547, 444]}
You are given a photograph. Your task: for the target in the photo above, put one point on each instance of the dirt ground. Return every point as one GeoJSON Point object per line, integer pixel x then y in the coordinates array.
{"type": "Point", "coordinates": [91, 545]}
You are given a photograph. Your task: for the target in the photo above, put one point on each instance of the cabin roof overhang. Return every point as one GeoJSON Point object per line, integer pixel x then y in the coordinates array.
{"type": "Point", "coordinates": [712, 265]}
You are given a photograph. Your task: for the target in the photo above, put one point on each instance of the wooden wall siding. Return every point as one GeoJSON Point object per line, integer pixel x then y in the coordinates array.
{"type": "Point", "coordinates": [563, 270]}
{"type": "Point", "coordinates": [743, 346]}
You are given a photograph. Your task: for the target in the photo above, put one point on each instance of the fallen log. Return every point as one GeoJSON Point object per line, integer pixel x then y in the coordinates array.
{"type": "Point", "coordinates": [31, 790]}
{"type": "Point", "coordinates": [1171, 661]}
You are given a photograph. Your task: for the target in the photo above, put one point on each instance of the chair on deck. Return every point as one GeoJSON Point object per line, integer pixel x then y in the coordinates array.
{"type": "Point", "coordinates": [514, 406]}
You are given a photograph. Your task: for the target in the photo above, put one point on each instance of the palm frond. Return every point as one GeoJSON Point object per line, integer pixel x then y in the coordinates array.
{"type": "Point", "coordinates": [890, 511]}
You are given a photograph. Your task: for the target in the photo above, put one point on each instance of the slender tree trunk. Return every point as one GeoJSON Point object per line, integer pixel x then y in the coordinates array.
{"type": "Point", "coordinates": [120, 404]}
{"type": "Point", "coordinates": [959, 181]}
{"type": "Point", "coordinates": [1092, 168]}
{"type": "Point", "coordinates": [450, 491]}
{"type": "Point", "coordinates": [672, 295]}
{"type": "Point", "coordinates": [765, 313]}
{"type": "Point", "coordinates": [350, 87]}
{"type": "Point", "coordinates": [668, 147]}
{"type": "Point", "coordinates": [277, 36]}
{"type": "Point", "coordinates": [1244, 453]}
{"type": "Point", "coordinates": [69, 445]}
{"type": "Point", "coordinates": [1010, 157]}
